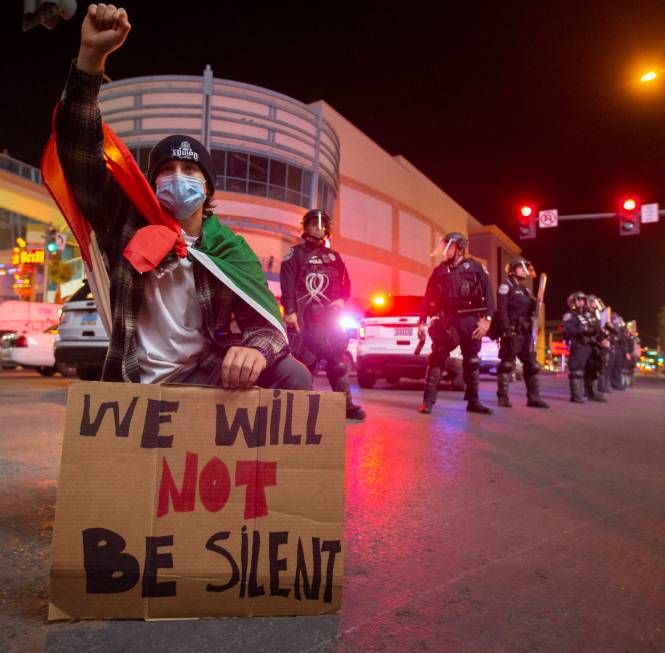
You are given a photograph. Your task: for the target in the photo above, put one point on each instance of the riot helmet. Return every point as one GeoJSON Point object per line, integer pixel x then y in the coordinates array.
{"type": "Point", "coordinates": [595, 303]}
{"type": "Point", "coordinates": [454, 237]}
{"type": "Point", "coordinates": [574, 297]}
{"type": "Point", "coordinates": [518, 262]}
{"type": "Point", "coordinates": [320, 218]}
{"type": "Point", "coordinates": [618, 321]}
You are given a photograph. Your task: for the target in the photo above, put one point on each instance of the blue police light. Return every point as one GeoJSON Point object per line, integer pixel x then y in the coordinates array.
{"type": "Point", "coordinates": [348, 321]}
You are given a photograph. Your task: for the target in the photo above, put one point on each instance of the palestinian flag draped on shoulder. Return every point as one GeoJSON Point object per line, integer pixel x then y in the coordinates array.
{"type": "Point", "coordinates": [223, 253]}
{"type": "Point", "coordinates": [231, 260]}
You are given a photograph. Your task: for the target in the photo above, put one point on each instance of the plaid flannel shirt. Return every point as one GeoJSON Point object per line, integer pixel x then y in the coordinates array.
{"type": "Point", "coordinates": [114, 221]}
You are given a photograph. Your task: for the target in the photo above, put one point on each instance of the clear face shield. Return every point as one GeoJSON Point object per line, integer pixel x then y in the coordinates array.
{"type": "Point", "coordinates": [444, 246]}
{"type": "Point", "coordinates": [318, 221]}
{"type": "Point", "coordinates": [598, 308]}
{"type": "Point", "coordinates": [579, 301]}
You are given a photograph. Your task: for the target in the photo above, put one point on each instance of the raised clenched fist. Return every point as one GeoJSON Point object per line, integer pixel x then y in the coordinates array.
{"type": "Point", "coordinates": [104, 29]}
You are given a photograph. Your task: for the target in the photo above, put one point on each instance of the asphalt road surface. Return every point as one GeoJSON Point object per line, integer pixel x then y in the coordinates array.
{"type": "Point", "coordinates": [528, 530]}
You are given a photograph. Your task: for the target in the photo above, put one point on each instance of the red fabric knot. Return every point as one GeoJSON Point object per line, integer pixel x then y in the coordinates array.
{"type": "Point", "coordinates": [180, 247]}
{"type": "Point", "coordinates": [150, 245]}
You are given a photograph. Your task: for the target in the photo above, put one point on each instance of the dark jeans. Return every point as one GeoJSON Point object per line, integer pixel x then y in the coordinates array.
{"type": "Point", "coordinates": [285, 374]}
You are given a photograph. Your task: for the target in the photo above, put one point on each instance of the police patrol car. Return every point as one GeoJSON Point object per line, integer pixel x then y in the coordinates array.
{"type": "Point", "coordinates": [387, 340]}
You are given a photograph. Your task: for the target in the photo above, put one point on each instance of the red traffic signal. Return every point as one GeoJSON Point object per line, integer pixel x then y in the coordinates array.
{"type": "Point", "coordinates": [629, 216]}
{"type": "Point", "coordinates": [527, 218]}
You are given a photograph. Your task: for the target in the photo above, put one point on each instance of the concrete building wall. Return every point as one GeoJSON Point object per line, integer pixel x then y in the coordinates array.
{"type": "Point", "coordinates": [277, 157]}
{"type": "Point", "coordinates": [389, 212]}
{"type": "Point", "coordinates": [495, 249]}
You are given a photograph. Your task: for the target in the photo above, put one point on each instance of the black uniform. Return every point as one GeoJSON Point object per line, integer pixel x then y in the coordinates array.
{"type": "Point", "coordinates": [620, 347]}
{"type": "Point", "coordinates": [579, 329]}
{"type": "Point", "coordinates": [632, 358]}
{"type": "Point", "coordinates": [457, 295]}
{"type": "Point", "coordinates": [600, 357]}
{"type": "Point", "coordinates": [515, 312]}
{"type": "Point", "coordinates": [611, 357]}
{"type": "Point", "coordinates": [312, 277]}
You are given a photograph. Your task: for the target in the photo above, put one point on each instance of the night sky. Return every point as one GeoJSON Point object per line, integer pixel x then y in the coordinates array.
{"type": "Point", "coordinates": [498, 103]}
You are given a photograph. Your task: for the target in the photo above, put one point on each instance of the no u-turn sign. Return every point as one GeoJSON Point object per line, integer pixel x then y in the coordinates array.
{"type": "Point", "coordinates": [548, 218]}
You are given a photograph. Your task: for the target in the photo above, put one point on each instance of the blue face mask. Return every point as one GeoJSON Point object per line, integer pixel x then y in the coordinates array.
{"type": "Point", "coordinates": [180, 195]}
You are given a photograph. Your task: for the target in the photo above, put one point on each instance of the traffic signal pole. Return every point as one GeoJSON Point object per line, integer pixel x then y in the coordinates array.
{"type": "Point", "coordinates": [595, 216]}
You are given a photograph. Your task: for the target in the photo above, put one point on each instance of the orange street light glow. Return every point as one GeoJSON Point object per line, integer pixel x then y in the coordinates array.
{"type": "Point", "coordinates": [379, 300]}
{"type": "Point", "coordinates": [649, 77]}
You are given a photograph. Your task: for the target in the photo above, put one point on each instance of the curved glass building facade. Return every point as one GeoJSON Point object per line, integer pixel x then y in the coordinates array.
{"type": "Point", "coordinates": [264, 144]}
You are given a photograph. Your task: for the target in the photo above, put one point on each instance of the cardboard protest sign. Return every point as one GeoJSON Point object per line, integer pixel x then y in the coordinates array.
{"type": "Point", "coordinates": [184, 501]}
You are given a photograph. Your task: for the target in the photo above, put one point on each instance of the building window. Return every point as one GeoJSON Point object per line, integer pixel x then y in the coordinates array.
{"type": "Point", "coordinates": [219, 159]}
{"type": "Point", "coordinates": [258, 175]}
{"type": "Point", "coordinates": [252, 174]}
{"type": "Point", "coordinates": [326, 199]}
{"type": "Point", "coordinates": [142, 156]}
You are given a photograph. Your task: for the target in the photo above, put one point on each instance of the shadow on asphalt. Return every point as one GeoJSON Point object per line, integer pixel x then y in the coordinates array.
{"type": "Point", "coordinates": [293, 634]}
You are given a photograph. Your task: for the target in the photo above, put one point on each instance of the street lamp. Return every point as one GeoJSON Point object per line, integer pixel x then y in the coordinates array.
{"type": "Point", "coordinates": [649, 76]}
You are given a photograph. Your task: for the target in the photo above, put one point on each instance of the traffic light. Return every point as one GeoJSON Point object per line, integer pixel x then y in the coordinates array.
{"type": "Point", "coordinates": [629, 216]}
{"type": "Point", "coordinates": [527, 218]}
{"type": "Point", "coordinates": [49, 240]}
{"type": "Point", "coordinates": [46, 12]}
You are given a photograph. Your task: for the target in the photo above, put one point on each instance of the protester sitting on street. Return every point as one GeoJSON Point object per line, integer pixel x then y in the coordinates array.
{"type": "Point", "coordinates": [178, 277]}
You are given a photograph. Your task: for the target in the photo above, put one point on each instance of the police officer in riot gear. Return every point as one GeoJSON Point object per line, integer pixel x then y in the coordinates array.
{"type": "Point", "coordinates": [579, 329]}
{"type": "Point", "coordinates": [315, 285]}
{"type": "Point", "coordinates": [459, 297]}
{"type": "Point", "coordinates": [515, 315]}
{"type": "Point", "coordinates": [634, 350]}
{"type": "Point", "coordinates": [619, 343]}
{"type": "Point", "coordinates": [600, 344]}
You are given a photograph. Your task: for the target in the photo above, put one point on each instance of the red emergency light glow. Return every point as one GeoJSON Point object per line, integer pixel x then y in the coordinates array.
{"type": "Point", "coordinates": [379, 300]}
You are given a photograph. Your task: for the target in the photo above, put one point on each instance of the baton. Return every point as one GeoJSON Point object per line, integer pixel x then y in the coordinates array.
{"type": "Point", "coordinates": [480, 309]}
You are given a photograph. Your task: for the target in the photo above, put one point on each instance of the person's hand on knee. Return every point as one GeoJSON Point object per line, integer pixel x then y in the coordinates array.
{"type": "Point", "coordinates": [241, 367]}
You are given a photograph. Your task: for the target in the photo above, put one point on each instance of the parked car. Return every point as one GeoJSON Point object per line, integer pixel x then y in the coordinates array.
{"type": "Point", "coordinates": [27, 317]}
{"type": "Point", "coordinates": [32, 350]}
{"type": "Point", "coordinates": [387, 339]}
{"type": "Point", "coordinates": [6, 342]}
{"type": "Point", "coordinates": [82, 340]}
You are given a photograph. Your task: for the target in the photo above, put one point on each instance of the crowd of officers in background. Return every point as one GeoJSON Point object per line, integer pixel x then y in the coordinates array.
{"type": "Point", "coordinates": [604, 349]}
{"type": "Point", "coordinates": [457, 311]}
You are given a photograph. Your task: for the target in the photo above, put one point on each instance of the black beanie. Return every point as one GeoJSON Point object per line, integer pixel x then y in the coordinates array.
{"type": "Point", "coordinates": [184, 148]}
